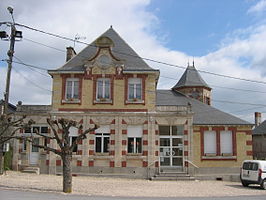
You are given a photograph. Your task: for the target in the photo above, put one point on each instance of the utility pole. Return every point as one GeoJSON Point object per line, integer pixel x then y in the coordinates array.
{"type": "Point", "coordinates": [10, 54]}
{"type": "Point", "coordinates": [12, 38]}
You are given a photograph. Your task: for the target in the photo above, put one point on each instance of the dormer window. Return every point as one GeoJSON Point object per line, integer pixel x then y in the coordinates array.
{"type": "Point", "coordinates": [134, 89]}
{"type": "Point", "coordinates": [72, 89]}
{"type": "Point", "coordinates": [103, 89]}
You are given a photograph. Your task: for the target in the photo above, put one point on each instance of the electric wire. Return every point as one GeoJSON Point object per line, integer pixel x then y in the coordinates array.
{"type": "Point", "coordinates": [36, 85]}
{"type": "Point", "coordinates": [144, 58]}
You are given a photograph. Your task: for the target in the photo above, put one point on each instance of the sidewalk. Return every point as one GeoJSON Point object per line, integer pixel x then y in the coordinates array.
{"type": "Point", "coordinates": [98, 186]}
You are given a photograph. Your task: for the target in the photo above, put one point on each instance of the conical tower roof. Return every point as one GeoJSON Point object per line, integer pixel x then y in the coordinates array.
{"type": "Point", "coordinates": [191, 78]}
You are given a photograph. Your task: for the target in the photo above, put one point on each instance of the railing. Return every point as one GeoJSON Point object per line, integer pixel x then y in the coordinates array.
{"type": "Point", "coordinates": [149, 169]}
{"type": "Point", "coordinates": [192, 163]}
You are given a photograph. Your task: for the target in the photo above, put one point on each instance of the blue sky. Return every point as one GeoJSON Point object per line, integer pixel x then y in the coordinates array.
{"type": "Point", "coordinates": [223, 36]}
{"type": "Point", "coordinates": [197, 27]}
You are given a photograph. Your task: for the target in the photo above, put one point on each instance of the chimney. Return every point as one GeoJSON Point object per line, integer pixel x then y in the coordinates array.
{"type": "Point", "coordinates": [257, 118]}
{"type": "Point", "coordinates": [70, 53]}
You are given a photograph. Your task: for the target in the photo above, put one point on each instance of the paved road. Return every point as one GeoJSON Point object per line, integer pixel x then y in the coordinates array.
{"type": "Point", "coordinates": [7, 194]}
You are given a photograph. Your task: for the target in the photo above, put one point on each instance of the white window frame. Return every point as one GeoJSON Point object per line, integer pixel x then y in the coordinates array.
{"type": "Point", "coordinates": [135, 131]}
{"type": "Point", "coordinates": [73, 133]}
{"type": "Point", "coordinates": [210, 147]}
{"type": "Point", "coordinates": [104, 88]}
{"type": "Point", "coordinates": [72, 93]}
{"type": "Point", "coordinates": [226, 142]}
{"type": "Point", "coordinates": [134, 82]}
{"type": "Point", "coordinates": [102, 132]}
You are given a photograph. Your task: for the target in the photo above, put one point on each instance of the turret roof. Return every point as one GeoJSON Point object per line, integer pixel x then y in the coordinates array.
{"type": "Point", "coordinates": [191, 77]}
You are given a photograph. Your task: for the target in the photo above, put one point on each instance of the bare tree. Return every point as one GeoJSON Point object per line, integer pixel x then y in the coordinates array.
{"type": "Point", "coordinates": [9, 125]}
{"type": "Point", "coordinates": [65, 146]}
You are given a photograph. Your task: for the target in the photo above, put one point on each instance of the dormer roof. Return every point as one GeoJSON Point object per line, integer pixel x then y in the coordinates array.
{"type": "Point", "coordinates": [191, 78]}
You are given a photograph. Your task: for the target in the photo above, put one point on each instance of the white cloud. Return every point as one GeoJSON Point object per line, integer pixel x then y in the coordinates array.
{"type": "Point", "coordinates": [241, 54]}
{"type": "Point", "coordinates": [258, 7]}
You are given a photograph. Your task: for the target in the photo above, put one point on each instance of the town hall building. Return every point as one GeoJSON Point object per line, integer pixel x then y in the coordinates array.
{"type": "Point", "coordinates": [143, 131]}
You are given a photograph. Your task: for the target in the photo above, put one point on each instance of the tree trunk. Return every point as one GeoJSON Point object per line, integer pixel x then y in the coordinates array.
{"type": "Point", "coordinates": [67, 173]}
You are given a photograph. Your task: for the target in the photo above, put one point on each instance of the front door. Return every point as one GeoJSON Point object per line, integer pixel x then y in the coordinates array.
{"type": "Point", "coordinates": [34, 152]}
{"type": "Point", "coordinates": [171, 147]}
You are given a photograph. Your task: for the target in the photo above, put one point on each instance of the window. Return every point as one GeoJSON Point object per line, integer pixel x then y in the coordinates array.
{"type": "Point", "coordinates": [134, 134]}
{"type": "Point", "coordinates": [36, 129]}
{"type": "Point", "coordinates": [103, 89]}
{"type": "Point", "coordinates": [226, 143]}
{"type": "Point", "coordinates": [218, 143]}
{"type": "Point", "coordinates": [102, 137]}
{"type": "Point", "coordinates": [72, 88]}
{"type": "Point", "coordinates": [209, 143]}
{"type": "Point", "coordinates": [134, 89]}
{"type": "Point", "coordinates": [24, 145]}
{"type": "Point", "coordinates": [73, 134]}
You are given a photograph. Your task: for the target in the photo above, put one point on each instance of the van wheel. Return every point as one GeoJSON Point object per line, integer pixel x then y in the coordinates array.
{"type": "Point", "coordinates": [263, 184]}
{"type": "Point", "coordinates": [245, 184]}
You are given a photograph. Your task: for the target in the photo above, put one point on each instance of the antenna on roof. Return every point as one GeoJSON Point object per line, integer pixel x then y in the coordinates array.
{"type": "Point", "coordinates": [188, 62]}
{"type": "Point", "coordinates": [78, 37]}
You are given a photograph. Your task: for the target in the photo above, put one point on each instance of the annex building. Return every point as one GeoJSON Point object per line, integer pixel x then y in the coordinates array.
{"type": "Point", "coordinates": [143, 130]}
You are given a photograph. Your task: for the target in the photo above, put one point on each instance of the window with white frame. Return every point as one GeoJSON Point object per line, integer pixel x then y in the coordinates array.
{"type": "Point", "coordinates": [210, 143]}
{"type": "Point", "coordinates": [102, 138]}
{"type": "Point", "coordinates": [72, 88]}
{"type": "Point", "coordinates": [73, 134]}
{"type": "Point", "coordinates": [134, 88]}
{"type": "Point", "coordinates": [226, 142]}
{"type": "Point", "coordinates": [103, 88]}
{"type": "Point", "coordinates": [134, 133]}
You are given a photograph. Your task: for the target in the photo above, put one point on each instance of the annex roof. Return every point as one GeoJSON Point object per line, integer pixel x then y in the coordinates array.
{"type": "Point", "coordinates": [203, 114]}
{"type": "Point", "coordinates": [261, 129]}
{"type": "Point", "coordinates": [120, 49]}
{"type": "Point", "coordinates": [191, 77]}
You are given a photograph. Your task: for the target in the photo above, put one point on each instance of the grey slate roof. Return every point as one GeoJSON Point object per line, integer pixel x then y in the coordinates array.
{"type": "Point", "coordinates": [203, 113]}
{"type": "Point", "coordinates": [191, 77]}
{"type": "Point", "coordinates": [261, 129]}
{"type": "Point", "coordinates": [120, 50]}
{"type": "Point", "coordinates": [11, 108]}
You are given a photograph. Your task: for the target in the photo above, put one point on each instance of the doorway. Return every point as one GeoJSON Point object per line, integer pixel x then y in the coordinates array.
{"type": "Point", "coordinates": [171, 148]}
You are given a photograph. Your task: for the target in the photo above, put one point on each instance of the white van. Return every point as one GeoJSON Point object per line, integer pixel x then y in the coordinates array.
{"type": "Point", "coordinates": [253, 172]}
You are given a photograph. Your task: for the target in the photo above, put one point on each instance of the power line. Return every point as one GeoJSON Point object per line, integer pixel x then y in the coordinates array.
{"type": "Point", "coordinates": [147, 59]}
{"type": "Point", "coordinates": [36, 85]}
{"type": "Point", "coordinates": [22, 63]}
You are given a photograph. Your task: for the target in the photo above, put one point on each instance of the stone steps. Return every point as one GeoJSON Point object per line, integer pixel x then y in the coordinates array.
{"type": "Point", "coordinates": [32, 170]}
{"type": "Point", "coordinates": [171, 176]}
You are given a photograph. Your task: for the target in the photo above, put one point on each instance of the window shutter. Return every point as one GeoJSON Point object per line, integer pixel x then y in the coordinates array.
{"type": "Point", "coordinates": [134, 131]}
{"type": "Point", "coordinates": [103, 129]}
{"type": "Point", "coordinates": [226, 142]}
{"type": "Point", "coordinates": [209, 142]}
{"type": "Point", "coordinates": [73, 131]}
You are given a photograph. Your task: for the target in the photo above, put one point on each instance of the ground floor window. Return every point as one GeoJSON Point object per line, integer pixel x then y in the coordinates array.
{"type": "Point", "coordinates": [134, 133]}
{"type": "Point", "coordinates": [218, 143]}
{"type": "Point", "coordinates": [102, 139]}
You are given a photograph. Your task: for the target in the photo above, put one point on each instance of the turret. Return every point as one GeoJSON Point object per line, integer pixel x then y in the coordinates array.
{"type": "Point", "coordinates": [192, 85]}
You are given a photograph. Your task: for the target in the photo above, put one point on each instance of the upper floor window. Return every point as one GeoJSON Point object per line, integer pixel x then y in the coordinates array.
{"type": "Point", "coordinates": [72, 89]}
{"type": "Point", "coordinates": [103, 88]}
{"type": "Point", "coordinates": [134, 89]}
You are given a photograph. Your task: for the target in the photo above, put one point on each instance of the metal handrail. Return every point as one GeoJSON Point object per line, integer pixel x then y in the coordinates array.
{"type": "Point", "coordinates": [192, 163]}
{"type": "Point", "coordinates": [148, 168]}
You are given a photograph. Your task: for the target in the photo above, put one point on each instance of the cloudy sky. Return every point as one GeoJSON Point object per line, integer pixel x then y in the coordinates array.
{"type": "Point", "coordinates": [224, 37]}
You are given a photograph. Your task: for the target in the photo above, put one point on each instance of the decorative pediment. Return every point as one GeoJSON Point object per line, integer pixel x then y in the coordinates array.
{"type": "Point", "coordinates": [104, 62]}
